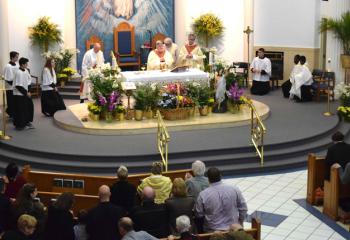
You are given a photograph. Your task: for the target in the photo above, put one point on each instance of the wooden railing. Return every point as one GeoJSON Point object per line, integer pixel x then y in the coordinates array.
{"type": "Point", "coordinates": [163, 139]}
{"type": "Point", "coordinates": [3, 135]}
{"type": "Point", "coordinates": [257, 130]}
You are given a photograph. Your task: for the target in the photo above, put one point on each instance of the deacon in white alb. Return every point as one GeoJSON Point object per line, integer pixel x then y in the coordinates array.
{"type": "Point", "coordinates": [93, 58]}
{"type": "Point", "coordinates": [261, 69]}
{"type": "Point", "coordinates": [9, 74]}
{"type": "Point", "coordinates": [51, 100]}
{"type": "Point", "coordinates": [191, 54]}
{"type": "Point", "coordinates": [172, 48]}
{"type": "Point", "coordinates": [159, 57]}
{"type": "Point", "coordinates": [23, 111]}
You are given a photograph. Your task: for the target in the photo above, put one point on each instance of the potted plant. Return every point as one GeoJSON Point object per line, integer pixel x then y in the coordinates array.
{"type": "Point", "coordinates": [152, 97]}
{"type": "Point", "coordinates": [140, 102]}
{"type": "Point", "coordinates": [45, 33]}
{"type": "Point", "coordinates": [342, 92]}
{"type": "Point", "coordinates": [235, 98]}
{"type": "Point", "coordinates": [341, 29]}
{"type": "Point", "coordinates": [208, 26]}
{"type": "Point", "coordinates": [203, 98]}
{"type": "Point", "coordinates": [94, 111]}
{"type": "Point", "coordinates": [211, 103]}
{"type": "Point", "coordinates": [120, 113]}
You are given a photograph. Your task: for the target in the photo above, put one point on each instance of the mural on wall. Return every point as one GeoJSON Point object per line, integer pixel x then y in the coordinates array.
{"type": "Point", "coordinates": [99, 17]}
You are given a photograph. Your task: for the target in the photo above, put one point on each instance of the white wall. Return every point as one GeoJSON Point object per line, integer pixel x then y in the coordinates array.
{"type": "Point", "coordinates": [230, 46]}
{"type": "Point", "coordinates": [24, 13]}
{"type": "Point", "coordinates": [288, 23]}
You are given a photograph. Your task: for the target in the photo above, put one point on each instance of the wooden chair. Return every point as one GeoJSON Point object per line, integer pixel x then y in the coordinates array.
{"type": "Point", "coordinates": [333, 192]}
{"type": "Point", "coordinates": [35, 89]}
{"type": "Point", "coordinates": [156, 37]}
{"type": "Point", "coordinates": [124, 45]}
{"type": "Point", "coordinates": [254, 231]}
{"type": "Point", "coordinates": [315, 178]}
{"type": "Point", "coordinates": [324, 84]}
{"type": "Point", "coordinates": [92, 40]}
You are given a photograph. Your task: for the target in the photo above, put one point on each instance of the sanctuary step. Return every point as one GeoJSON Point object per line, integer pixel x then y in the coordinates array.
{"type": "Point", "coordinates": [71, 89]}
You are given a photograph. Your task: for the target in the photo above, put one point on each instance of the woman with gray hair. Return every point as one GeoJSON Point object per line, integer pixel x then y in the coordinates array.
{"type": "Point", "coordinates": [183, 226]}
{"type": "Point", "coordinates": [197, 183]}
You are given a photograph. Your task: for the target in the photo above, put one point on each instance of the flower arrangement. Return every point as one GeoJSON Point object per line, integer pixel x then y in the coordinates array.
{"type": "Point", "coordinates": [235, 94]}
{"type": "Point", "coordinates": [120, 109]}
{"type": "Point", "coordinates": [204, 93]}
{"type": "Point", "coordinates": [45, 33]}
{"type": "Point", "coordinates": [108, 71]}
{"type": "Point", "coordinates": [344, 112]}
{"type": "Point", "coordinates": [342, 91]}
{"type": "Point", "coordinates": [94, 108]}
{"type": "Point", "coordinates": [68, 72]}
{"type": "Point", "coordinates": [208, 26]}
{"type": "Point", "coordinates": [211, 102]}
{"type": "Point", "coordinates": [63, 59]}
{"type": "Point", "coordinates": [146, 96]}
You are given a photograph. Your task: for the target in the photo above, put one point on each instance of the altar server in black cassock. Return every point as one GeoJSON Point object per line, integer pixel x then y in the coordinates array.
{"type": "Point", "coordinates": [9, 74]}
{"type": "Point", "coordinates": [23, 104]}
{"type": "Point", "coordinates": [51, 100]}
{"type": "Point", "coordinates": [261, 69]}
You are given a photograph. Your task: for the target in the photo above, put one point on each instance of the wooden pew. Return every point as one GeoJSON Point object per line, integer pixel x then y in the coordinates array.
{"type": "Point", "coordinates": [333, 191]}
{"type": "Point", "coordinates": [315, 178]}
{"type": "Point", "coordinates": [255, 231]}
{"type": "Point", "coordinates": [44, 181]}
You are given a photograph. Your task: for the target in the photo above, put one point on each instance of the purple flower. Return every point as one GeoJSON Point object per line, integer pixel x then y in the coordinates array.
{"type": "Point", "coordinates": [111, 107]}
{"type": "Point", "coordinates": [102, 100]}
{"type": "Point", "coordinates": [235, 92]}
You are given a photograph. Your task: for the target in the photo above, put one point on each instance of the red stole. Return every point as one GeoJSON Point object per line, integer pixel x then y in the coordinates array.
{"type": "Point", "coordinates": [190, 48]}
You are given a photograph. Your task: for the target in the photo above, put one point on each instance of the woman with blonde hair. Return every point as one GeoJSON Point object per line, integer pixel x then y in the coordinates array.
{"type": "Point", "coordinates": [179, 203]}
{"type": "Point", "coordinates": [25, 228]}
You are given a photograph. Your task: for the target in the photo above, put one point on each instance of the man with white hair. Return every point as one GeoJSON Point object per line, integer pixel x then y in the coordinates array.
{"type": "Point", "coordinates": [102, 220]}
{"type": "Point", "coordinates": [172, 48]}
{"type": "Point", "coordinates": [183, 226]}
{"type": "Point", "coordinates": [159, 58]}
{"type": "Point", "coordinates": [123, 192]}
{"type": "Point", "coordinates": [93, 58]}
{"type": "Point", "coordinates": [197, 183]}
{"type": "Point", "coordinates": [191, 54]}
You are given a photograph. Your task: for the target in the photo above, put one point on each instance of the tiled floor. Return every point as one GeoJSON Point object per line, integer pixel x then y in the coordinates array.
{"type": "Point", "coordinates": [279, 200]}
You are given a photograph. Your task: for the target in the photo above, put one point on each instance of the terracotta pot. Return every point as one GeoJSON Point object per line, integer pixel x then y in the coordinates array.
{"type": "Point", "coordinates": [345, 60]}
{"type": "Point", "coordinates": [203, 111]}
{"type": "Point", "coordinates": [138, 115]}
{"type": "Point", "coordinates": [94, 117]}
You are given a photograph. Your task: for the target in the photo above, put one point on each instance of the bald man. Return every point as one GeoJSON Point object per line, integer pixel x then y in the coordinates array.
{"type": "Point", "coordinates": [102, 220]}
{"type": "Point", "coordinates": [172, 48]}
{"type": "Point", "coordinates": [126, 230]}
{"type": "Point", "coordinates": [93, 58]}
{"type": "Point", "coordinates": [191, 54]}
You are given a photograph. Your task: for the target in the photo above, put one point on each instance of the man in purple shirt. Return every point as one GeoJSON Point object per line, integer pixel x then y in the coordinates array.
{"type": "Point", "coordinates": [220, 204]}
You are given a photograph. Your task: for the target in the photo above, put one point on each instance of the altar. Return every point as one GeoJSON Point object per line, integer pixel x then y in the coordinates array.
{"type": "Point", "coordinates": [157, 76]}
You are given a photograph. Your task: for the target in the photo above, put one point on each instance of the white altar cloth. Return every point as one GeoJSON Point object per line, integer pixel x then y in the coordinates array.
{"type": "Point", "coordinates": [157, 76]}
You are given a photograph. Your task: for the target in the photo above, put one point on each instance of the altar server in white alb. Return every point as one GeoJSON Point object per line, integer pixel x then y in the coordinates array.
{"type": "Point", "coordinates": [191, 54]}
{"type": "Point", "coordinates": [93, 58]}
{"type": "Point", "coordinates": [23, 110]}
{"type": "Point", "coordinates": [172, 48]}
{"type": "Point", "coordinates": [159, 58]}
{"type": "Point", "coordinates": [9, 74]}
{"type": "Point", "coordinates": [51, 100]}
{"type": "Point", "coordinates": [261, 69]}
{"type": "Point", "coordinates": [301, 83]}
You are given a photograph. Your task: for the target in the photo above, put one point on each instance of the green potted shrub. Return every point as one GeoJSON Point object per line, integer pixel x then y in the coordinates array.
{"type": "Point", "coordinates": [140, 101]}
{"type": "Point", "coordinates": [94, 111]}
{"type": "Point", "coordinates": [203, 99]}
{"type": "Point", "coordinates": [341, 29]}
{"type": "Point", "coordinates": [120, 113]}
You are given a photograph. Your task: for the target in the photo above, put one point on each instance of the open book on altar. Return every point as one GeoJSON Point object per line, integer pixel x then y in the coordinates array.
{"type": "Point", "coordinates": [183, 68]}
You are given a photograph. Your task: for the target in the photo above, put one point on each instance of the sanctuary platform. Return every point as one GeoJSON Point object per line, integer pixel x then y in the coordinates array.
{"type": "Point", "coordinates": [293, 131]}
{"type": "Point", "coordinates": [72, 120]}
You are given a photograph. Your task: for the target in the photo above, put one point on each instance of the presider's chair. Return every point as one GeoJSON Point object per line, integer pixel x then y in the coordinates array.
{"type": "Point", "coordinates": [124, 45]}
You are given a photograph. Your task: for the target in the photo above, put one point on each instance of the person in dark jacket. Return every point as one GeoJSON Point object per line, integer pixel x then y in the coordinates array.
{"type": "Point", "coordinates": [102, 220]}
{"type": "Point", "coordinates": [179, 203]}
{"type": "Point", "coordinates": [123, 192]}
{"type": "Point", "coordinates": [339, 153]}
{"type": "Point", "coordinates": [14, 181]}
{"type": "Point", "coordinates": [25, 229]}
{"type": "Point", "coordinates": [5, 207]}
{"type": "Point", "coordinates": [59, 225]}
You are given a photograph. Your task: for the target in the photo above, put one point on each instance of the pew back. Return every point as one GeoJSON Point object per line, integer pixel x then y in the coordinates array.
{"type": "Point", "coordinates": [315, 177]}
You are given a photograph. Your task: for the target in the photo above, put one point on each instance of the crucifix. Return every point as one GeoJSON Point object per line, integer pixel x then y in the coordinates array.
{"type": "Point", "coordinates": [248, 31]}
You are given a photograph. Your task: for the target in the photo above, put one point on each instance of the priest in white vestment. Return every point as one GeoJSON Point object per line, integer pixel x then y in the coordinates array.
{"type": "Point", "coordinates": [9, 75]}
{"type": "Point", "coordinates": [173, 49]}
{"type": "Point", "coordinates": [159, 58]}
{"type": "Point", "coordinates": [93, 58]}
{"type": "Point", "coordinates": [261, 69]}
{"type": "Point", "coordinates": [191, 54]}
{"type": "Point", "coordinates": [301, 80]}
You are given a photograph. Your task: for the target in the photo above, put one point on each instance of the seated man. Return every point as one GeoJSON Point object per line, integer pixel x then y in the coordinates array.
{"type": "Point", "coordinates": [172, 49]}
{"type": "Point", "coordinates": [191, 54]}
{"type": "Point", "coordinates": [151, 217]}
{"type": "Point", "coordinates": [162, 185]}
{"type": "Point", "coordinates": [220, 205]}
{"type": "Point", "coordinates": [261, 69]}
{"type": "Point", "coordinates": [126, 230]}
{"type": "Point", "coordinates": [339, 153]}
{"type": "Point", "coordinates": [159, 58]}
{"type": "Point", "coordinates": [301, 83]}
